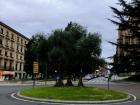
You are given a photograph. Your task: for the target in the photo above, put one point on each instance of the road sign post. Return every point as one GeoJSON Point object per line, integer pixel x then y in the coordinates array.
{"type": "Point", "coordinates": [108, 83]}
{"type": "Point", "coordinates": [46, 76]}
{"type": "Point", "coordinates": [35, 71]}
{"type": "Point", "coordinates": [109, 77]}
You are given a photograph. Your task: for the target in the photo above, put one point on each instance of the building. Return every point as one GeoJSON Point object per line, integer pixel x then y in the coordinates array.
{"type": "Point", "coordinates": [128, 48]}
{"type": "Point", "coordinates": [124, 38]}
{"type": "Point", "coordinates": [12, 50]}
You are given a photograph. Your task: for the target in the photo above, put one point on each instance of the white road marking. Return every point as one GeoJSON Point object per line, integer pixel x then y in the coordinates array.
{"type": "Point", "coordinates": [13, 96]}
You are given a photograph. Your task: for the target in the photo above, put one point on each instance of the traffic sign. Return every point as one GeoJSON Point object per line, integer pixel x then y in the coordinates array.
{"type": "Point", "coordinates": [35, 67]}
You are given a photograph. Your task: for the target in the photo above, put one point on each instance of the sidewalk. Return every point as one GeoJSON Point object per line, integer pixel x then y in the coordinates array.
{"type": "Point", "coordinates": [14, 83]}
{"type": "Point", "coordinates": [115, 78]}
{"type": "Point", "coordinates": [99, 80]}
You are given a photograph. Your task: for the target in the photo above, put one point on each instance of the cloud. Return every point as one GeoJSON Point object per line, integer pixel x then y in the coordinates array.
{"type": "Point", "coordinates": [32, 16]}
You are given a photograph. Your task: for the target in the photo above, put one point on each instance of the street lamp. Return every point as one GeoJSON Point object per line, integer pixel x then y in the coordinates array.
{"type": "Point", "coordinates": [56, 76]}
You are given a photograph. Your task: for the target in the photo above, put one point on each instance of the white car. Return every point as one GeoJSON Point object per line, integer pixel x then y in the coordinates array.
{"type": "Point", "coordinates": [88, 76]}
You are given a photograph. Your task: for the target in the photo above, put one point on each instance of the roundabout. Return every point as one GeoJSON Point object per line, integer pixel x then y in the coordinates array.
{"type": "Point", "coordinates": [8, 94]}
{"type": "Point", "coordinates": [18, 96]}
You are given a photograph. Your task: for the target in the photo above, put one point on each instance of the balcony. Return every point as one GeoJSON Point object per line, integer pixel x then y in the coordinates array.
{"type": "Point", "coordinates": [1, 46]}
{"type": "Point", "coordinates": [6, 47]}
{"type": "Point", "coordinates": [1, 56]}
{"type": "Point", "coordinates": [8, 68]}
{"type": "Point", "coordinates": [2, 35]}
{"type": "Point", "coordinates": [7, 37]}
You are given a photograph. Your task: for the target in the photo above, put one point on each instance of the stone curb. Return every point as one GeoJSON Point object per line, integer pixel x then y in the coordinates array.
{"type": "Point", "coordinates": [75, 102]}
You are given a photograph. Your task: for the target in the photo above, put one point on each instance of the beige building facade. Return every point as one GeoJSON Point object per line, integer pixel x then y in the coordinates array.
{"type": "Point", "coordinates": [124, 38]}
{"type": "Point", "coordinates": [127, 52]}
{"type": "Point", "coordinates": [12, 50]}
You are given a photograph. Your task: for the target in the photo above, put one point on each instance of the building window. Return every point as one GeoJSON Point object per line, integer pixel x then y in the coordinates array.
{"type": "Point", "coordinates": [25, 42]}
{"type": "Point", "coordinates": [17, 56]}
{"type": "Point", "coordinates": [16, 66]}
{"type": "Point", "coordinates": [1, 41]}
{"type": "Point", "coordinates": [12, 45]}
{"type": "Point", "coordinates": [6, 43]}
{"type": "Point", "coordinates": [17, 39]}
{"type": "Point", "coordinates": [20, 57]}
{"type": "Point", "coordinates": [20, 66]}
{"type": "Point", "coordinates": [0, 61]}
{"type": "Point", "coordinates": [6, 53]}
{"type": "Point", "coordinates": [15, 74]}
{"type": "Point", "coordinates": [17, 47]}
{"type": "Point", "coordinates": [21, 49]}
{"type": "Point", "coordinates": [0, 52]}
{"type": "Point", "coordinates": [137, 41]}
{"type": "Point", "coordinates": [10, 66]}
{"type": "Point", "coordinates": [11, 55]}
{"type": "Point", "coordinates": [21, 41]}
{"type": "Point", "coordinates": [12, 36]}
{"type": "Point", "coordinates": [7, 34]}
{"type": "Point", "coordinates": [5, 65]}
{"type": "Point", "coordinates": [1, 30]}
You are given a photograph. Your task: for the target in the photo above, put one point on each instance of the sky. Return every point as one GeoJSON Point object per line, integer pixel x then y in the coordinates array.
{"type": "Point", "coordinates": [32, 16]}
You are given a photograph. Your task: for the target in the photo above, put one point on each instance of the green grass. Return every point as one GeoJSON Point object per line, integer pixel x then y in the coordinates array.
{"type": "Point", "coordinates": [74, 93]}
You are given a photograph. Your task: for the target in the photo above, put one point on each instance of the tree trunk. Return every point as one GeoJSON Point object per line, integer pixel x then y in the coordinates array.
{"type": "Point", "coordinates": [59, 83]}
{"type": "Point", "coordinates": [26, 76]}
{"type": "Point", "coordinates": [80, 83]}
{"type": "Point", "coordinates": [69, 82]}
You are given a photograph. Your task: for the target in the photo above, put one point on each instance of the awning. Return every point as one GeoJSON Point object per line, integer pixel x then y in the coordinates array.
{"type": "Point", "coordinates": [9, 73]}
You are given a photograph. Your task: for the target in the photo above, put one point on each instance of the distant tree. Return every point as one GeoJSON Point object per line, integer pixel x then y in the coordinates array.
{"type": "Point", "coordinates": [56, 60]}
{"type": "Point", "coordinates": [77, 31]}
{"type": "Point", "coordinates": [88, 53]}
{"type": "Point", "coordinates": [36, 51]}
{"type": "Point", "coordinates": [68, 53]}
{"type": "Point", "coordinates": [58, 50]}
{"type": "Point", "coordinates": [128, 20]}
{"type": "Point", "coordinates": [65, 40]}
{"type": "Point", "coordinates": [71, 52]}
{"type": "Point", "coordinates": [29, 58]}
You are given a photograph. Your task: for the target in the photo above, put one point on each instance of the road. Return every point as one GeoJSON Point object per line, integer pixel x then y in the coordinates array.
{"type": "Point", "coordinates": [6, 91]}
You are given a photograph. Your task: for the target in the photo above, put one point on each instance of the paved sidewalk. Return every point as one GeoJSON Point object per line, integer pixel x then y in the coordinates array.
{"type": "Point", "coordinates": [14, 83]}
{"type": "Point", "coordinates": [99, 80]}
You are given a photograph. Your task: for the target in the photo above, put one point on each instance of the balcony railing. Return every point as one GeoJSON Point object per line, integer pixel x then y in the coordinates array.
{"type": "Point", "coordinates": [7, 68]}
{"type": "Point", "coordinates": [1, 34]}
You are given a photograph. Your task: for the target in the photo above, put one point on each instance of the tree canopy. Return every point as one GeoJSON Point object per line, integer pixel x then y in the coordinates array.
{"type": "Point", "coordinates": [66, 52]}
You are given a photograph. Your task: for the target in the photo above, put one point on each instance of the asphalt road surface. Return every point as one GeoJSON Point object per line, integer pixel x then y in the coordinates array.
{"type": "Point", "coordinates": [6, 91]}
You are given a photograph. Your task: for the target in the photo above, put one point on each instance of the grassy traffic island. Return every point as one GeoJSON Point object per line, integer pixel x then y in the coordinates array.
{"type": "Point", "coordinates": [74, 93]}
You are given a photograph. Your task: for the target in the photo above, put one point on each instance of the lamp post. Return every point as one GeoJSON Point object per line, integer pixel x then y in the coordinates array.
{"type": "Point", "coordinates": [108, 78]}
{"type": "Point", "coordinates": [56, 76]}
{"type": "Point", "coordinates": [80, 83]}
{"type": "Point", "coordinates": [46, 76]}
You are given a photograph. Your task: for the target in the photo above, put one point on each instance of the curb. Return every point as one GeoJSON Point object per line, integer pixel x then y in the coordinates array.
{"type": "Point", "coordinates": [130, 98]}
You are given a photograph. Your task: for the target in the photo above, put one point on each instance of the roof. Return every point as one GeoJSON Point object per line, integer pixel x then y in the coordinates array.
{"type": "Point", "coordinates": [3, 24]}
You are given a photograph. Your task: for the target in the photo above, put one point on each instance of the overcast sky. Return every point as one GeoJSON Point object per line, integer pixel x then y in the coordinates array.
{"type": "Point", "coordinates": [32, 16]}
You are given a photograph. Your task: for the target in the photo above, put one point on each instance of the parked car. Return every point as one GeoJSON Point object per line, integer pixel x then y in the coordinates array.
{"type": "Point", "coordinates": [88, 77]}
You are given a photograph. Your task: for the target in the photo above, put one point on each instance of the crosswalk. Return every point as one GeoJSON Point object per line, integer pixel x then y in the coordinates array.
{"type": "Point", "coordinates": [99, 80]}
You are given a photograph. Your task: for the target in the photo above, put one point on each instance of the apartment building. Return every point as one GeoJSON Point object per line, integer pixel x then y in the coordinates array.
{"type": "Point", "coordinates": [125, 38]}
{"type": "Point", "coordinates": [127, 52]}
{"type": "Point", "coordinates": [12, 50]}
